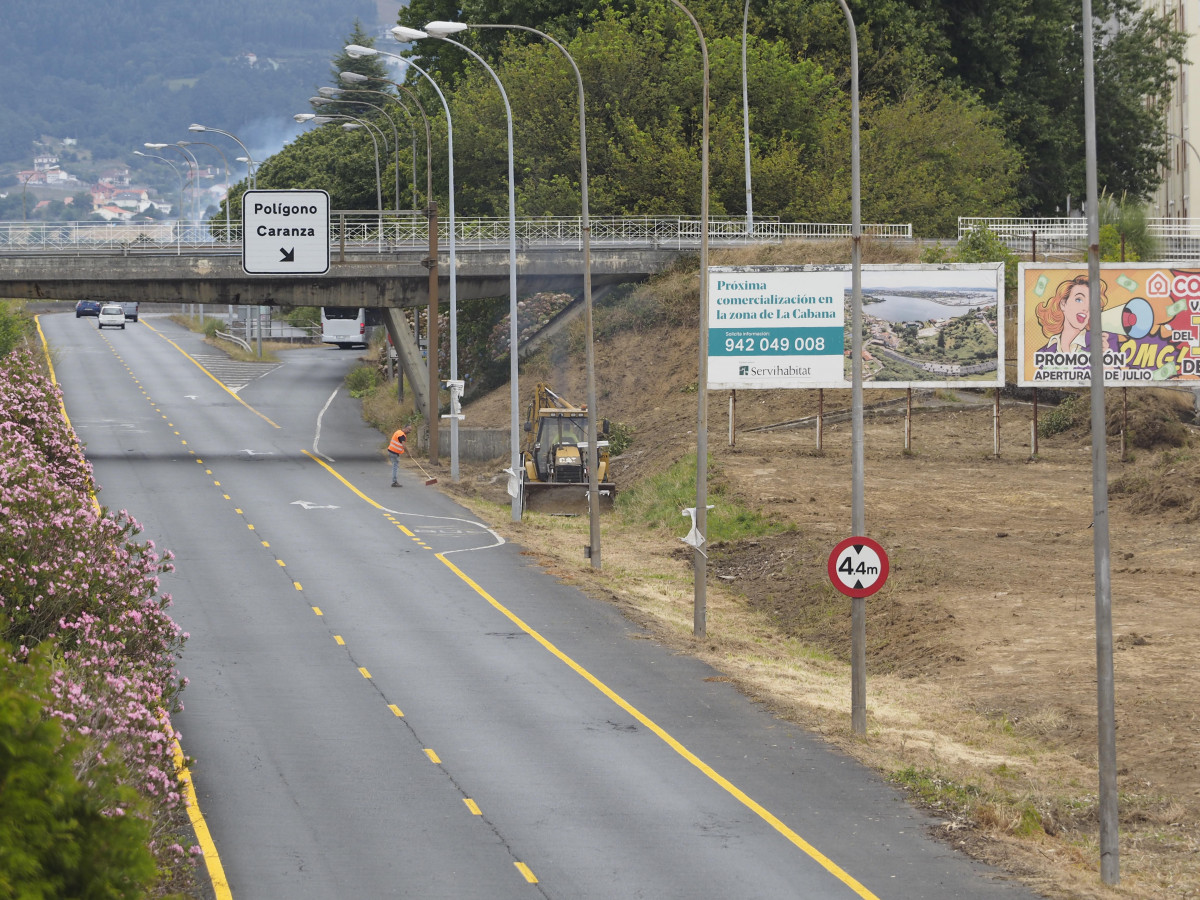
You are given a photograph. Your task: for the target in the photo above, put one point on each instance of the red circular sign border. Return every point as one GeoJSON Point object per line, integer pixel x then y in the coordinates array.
{"type": "Point", "coordinates": [884, 562]}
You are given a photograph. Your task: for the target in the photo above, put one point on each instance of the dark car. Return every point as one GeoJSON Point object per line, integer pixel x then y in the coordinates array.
{"type": "Point", "coordinates": [131, 310]}
{"type": "Point", "coordinates": [87, 308]}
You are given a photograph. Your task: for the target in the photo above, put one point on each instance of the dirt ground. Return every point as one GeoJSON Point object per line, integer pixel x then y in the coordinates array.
{"type": "Point", "coordinates": [981, 647]}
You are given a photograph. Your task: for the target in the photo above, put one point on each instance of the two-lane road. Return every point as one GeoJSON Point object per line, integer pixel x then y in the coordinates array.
{"type": "Point", "coordinates": [386, 699]}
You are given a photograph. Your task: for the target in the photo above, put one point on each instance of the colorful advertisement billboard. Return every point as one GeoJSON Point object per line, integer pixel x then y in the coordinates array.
{"type": "Point", "coordinates": [789, 326]}
{"type": "Point", "coordinates": [1149, 324]}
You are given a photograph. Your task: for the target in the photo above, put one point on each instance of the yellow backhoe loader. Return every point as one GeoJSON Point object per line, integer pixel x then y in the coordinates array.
{"type": "Point", "coordinates": [554, 456]}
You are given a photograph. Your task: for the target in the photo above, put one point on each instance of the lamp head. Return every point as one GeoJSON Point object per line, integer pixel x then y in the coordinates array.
{"type": "Point", "coordinates": [329, 91]}
{"type": "Point", "coordinates": [442, 29]}
{"type": "Point", "coordinates": [150, 146]}
{"type": "Point", "coordinates": [317, 101]}
{"type": "Point", "coordinates": [138, 153]}
{"type": "Point", "coordinates": [353, 77]}
{"type": "Point", "coordinates": [357, 51]}
{"type": "Point", "coordinates": [197, 128]}
{"type": "Point", "coordinates": [304, 117]}
{"type": "Point", "coordinates": [404, 35]}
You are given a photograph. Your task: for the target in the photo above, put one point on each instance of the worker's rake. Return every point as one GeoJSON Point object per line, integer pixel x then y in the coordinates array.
{"type": "Point", "coordinates": [429, 479]}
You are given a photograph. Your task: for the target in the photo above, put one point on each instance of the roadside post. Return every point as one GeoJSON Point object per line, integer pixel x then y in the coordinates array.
{"type": "Point", "coordinates": [858, 567]}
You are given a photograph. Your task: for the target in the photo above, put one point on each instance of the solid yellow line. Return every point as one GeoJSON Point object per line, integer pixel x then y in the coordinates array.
{"type": "Point", "coordinates": [216, 872]}
{"type": "Point", "coordinates": [210, 375]}
{"type": "Point", "coordinates": [212, 860]}
{"type": "Point", "coordinates": [328, 468]}
{"type": "Point", "coordinates": [737, 793]}
{"type": "Point", "coordinates": [734, 791]}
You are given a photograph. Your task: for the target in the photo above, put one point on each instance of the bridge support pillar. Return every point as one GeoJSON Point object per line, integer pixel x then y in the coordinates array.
{"type": "Point", "coordinates": [409, 354]}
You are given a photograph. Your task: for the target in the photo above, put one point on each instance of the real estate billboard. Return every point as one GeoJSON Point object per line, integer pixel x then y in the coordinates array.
{"type": "Point", "coordinates": [1149, 324]}
{"type": "Point", "coordinates": [788, 326]}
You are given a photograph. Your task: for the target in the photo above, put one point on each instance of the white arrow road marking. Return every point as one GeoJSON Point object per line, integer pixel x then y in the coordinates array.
{"type": "Point", "coordinates": [308, 505]}
{"type": "Point", "coordinates": [249, 452]}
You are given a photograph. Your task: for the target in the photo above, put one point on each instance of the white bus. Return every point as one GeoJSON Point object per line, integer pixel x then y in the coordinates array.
{"type": "Point", "coordinates": [345, 326]}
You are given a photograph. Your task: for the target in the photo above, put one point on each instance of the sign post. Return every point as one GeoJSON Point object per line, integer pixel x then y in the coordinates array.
{"type": "Point", "coordinates": [285, 232]}
{"type": "Point", "coordinates": [858, 567]}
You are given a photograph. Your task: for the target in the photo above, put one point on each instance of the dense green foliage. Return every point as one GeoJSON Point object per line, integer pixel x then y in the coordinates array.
{"type": "Point", "coordinates": [59, 837]}
{"type": "Point", "coordinates": [1014, 65]}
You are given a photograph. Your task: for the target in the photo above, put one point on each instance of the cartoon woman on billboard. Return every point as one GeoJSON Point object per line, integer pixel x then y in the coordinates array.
{"type": "Point", "coordinates": [1064, 316]}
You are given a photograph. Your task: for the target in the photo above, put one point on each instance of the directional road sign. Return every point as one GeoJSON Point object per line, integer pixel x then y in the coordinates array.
{"type": "Point", "coordinates": [858, 566]}
{"type": "Point", "coordinates": [285, 232]}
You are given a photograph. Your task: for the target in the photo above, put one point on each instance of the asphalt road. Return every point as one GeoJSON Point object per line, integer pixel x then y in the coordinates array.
{"type": "Point", "coordinates": [386, 700]}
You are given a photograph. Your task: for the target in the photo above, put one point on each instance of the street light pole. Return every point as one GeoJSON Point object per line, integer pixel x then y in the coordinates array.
{"type": "Point", "coordinates": [1110, 867]}
{"type": "Point", "coordinates": [172, 165]}
{"type": "Point", "coordinates": [513, 330]}
{"type": "Point", "coordinates": [746, 120]}
{"type": "Point", "coordinates": [224, 162]}
{"type": "Point", "coordinates": [317, 101]}
{"type": "Point", "coordinates": [589, 349]}
{"type": "Point", "coordinates": [858, 606]}
{"type": "Point", "coordinates": [355, 51]}
{"type": "Point", "coordinates": [188, 161]}
{"type": "Point", "coordinates": [353, 123]}
{"type": "Point", "coordinates": [700, 514]}
{"type": "Point", "coordinates": [249, 159]}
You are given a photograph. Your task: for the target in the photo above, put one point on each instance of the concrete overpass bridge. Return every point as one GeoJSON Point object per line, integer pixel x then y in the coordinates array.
{"type": "Point", "coordinates": [378, 260]}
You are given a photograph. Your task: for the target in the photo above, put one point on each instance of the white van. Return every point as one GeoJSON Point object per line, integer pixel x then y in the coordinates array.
{"type": "Point", "coordinates": [345, 326]}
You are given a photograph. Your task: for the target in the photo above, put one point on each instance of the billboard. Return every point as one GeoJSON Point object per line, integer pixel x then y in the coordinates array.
{"type": "Point", "coordinates": [776, 327]}
{"type": "Point", "coordinates": [1149, 324]}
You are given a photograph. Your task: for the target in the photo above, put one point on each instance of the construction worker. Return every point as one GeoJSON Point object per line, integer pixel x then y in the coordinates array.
{"type": "Point", "coordinates": [396, 448]}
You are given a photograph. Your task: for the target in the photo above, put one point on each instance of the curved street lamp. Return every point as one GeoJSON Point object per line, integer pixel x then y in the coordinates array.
{"type": "Point", "coordinates": [318, 101]}
{"type": "Point", "coordinates": [354, 78]}
{"type": "Point", "coordinates": [513, 330]}
{"type": "Point", "coordinates": [178, 174]}
{"type": "Point", "coordinates": [250, 175]}
{"type": "Point", "coordinates": [586, 229]}
{"type": "Point", "coordinates": [190, 160]}
{"type": "Point", "coordinates": [350, 125]}
{"type": "Point", "coordinates": [225, 162]}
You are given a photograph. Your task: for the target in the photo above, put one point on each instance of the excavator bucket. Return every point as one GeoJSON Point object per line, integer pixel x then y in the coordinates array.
{"type": "Point", "coordinates": [558, 499]}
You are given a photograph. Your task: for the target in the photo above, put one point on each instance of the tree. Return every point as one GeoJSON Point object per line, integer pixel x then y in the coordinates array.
{"type": "Point", "coordinates": [58, 836]}
{"type": "Point", "coordinates": [935, 155]}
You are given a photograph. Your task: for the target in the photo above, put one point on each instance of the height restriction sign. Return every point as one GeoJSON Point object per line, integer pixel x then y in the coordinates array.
{"type": "Point", "coordinates": [858, 566]}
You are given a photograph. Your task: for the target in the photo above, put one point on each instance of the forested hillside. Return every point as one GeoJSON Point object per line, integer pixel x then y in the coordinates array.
{"type": "Point", "coordinates": [115, 73]}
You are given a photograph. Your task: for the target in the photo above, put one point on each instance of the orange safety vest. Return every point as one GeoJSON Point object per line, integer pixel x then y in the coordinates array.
{"type": "Point", "coordinates": [396, 445]}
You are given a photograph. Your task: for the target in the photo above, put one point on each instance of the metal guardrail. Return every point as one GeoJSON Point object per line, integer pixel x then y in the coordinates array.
{"type": "Point", "coordinates": [369, 231]}
{"type": "Point", "coordinates": [233, 339]}
{"type": "Point", "coordinates": [1178, 239]}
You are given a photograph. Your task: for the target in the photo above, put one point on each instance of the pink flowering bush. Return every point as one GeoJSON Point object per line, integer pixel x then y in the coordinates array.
{"type": "Point", "coordinates": [74, 574]}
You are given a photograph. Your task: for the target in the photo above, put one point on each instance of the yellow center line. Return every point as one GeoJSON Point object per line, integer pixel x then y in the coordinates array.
{"type": "Point", "coordinates": [716, 777]}
{"type": "Point", "coordinates": [210, 375]}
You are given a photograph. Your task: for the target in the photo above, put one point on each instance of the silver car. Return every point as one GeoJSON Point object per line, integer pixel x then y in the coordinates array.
{"type": "Point", "coordinates": [111, 314]}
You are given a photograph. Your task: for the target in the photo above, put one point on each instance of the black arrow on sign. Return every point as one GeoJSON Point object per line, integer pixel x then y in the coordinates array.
{"type": "Point", "coordinates": [288, 255]}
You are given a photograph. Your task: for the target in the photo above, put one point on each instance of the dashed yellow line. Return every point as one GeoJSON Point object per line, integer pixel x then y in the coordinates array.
{"type": "Point", "coordinates": [527, 872]}
{"type": "Point", "coordinates": [433, 757]}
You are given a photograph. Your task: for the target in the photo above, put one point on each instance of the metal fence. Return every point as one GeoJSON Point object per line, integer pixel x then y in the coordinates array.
{"type": "Point", "coordinates": [358, 231]}
{"type": "Point", "coordinates": [1066, 238]}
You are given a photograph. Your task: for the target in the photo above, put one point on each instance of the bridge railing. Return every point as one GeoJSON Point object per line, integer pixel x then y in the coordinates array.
{"type": "Point", "coordinates": [370, 231]}
{"type": "Point", "coordinates": [1178, 239]}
